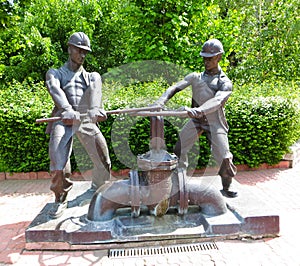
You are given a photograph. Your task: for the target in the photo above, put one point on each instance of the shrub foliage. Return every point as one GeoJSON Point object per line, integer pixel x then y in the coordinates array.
{"type": "Point", "coordinates": [260, 37]}
{"type": "Point", "coordinates": [261, 128]}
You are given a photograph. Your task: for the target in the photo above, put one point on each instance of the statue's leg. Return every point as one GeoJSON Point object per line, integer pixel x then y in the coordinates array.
{"type": "Point", "coordinates": [223, 157]}
{"type": "Point", "coordinates": [61, 185]}
{"type": "Point", "coordinates": [187, 137]}
{"type": "Point", "coordinates": [60, 146]}
{"type": "Point", "coordinates": [97, 149]}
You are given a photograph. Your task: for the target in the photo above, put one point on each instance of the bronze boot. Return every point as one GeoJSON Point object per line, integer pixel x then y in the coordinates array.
{"type": "Point", "coordinates": [61, 185]}
{"type": "Point", "coordinates": [226, 182]}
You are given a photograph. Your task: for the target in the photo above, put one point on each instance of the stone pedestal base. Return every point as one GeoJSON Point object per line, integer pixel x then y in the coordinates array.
{"type": "Point", "coordinates": [246, 216]}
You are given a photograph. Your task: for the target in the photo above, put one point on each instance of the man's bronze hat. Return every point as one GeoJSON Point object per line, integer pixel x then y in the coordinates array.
{"type": "Point", "coordinates": [211, 48]}
{"type": "Point", "coordinates": [80, 40]}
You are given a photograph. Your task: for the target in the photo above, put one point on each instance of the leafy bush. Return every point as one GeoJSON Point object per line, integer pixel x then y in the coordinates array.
{"type": "Point", "coordinates": [267, 46]}
{"type": "Point", "coordinates": [260, 37]}
{"type": "Point", "coordinates": [38, 38]}
{"type": "Point", "coordinates": [261, 128]}
{"type": "Point", "coordinates": [23, 143]}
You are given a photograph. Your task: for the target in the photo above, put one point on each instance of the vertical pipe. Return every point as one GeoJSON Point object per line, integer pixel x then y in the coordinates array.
{"type": "Point", "coordinates": [157, 139]}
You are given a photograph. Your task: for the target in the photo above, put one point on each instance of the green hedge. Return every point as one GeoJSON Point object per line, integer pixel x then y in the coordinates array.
{"type": "Point", "coordinates": [261, 128]}
{"type": "Point", "coordinates": [23, 143]}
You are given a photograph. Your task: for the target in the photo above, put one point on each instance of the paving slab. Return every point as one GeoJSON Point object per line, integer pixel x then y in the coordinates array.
{"type": "Point", "coordinates": [246, 216]}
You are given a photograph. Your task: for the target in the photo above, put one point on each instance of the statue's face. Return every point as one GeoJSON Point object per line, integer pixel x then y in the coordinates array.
{"type": "Point", "coordinates": [211, 63]}
{"type": "Point", "coordinates": [77, 55]}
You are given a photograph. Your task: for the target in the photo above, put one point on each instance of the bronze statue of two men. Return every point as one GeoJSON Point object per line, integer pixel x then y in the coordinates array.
{"type": "Point", "coordinates": [77, 95]}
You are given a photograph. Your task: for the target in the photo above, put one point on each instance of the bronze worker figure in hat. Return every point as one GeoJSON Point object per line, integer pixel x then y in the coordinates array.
{"type": "Point", "coordinates": [210, 91]}
{"type": "Point", "coordinates": [77, 96]}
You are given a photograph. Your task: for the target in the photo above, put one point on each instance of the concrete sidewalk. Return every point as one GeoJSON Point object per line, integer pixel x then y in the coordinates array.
{"type": "Point", "coordinates": [22, 200]}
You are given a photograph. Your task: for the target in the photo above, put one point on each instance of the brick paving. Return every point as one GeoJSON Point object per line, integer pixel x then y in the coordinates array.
{"type": "Point", "coordinates": [22, 200]}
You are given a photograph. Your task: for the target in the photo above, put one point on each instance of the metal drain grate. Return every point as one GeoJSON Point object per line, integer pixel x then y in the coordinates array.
{"type": "Point", "coordinates": [150, 251]}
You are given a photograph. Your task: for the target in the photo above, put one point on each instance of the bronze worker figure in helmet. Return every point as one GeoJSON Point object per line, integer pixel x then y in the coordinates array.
{"type": "Point", "coordinates": [210, 91]}
{"type": "Point", "coordinates": [77, 96]}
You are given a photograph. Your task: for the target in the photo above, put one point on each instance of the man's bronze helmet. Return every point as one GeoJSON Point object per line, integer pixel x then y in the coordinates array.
{"type": "Point", "coordinates": [211, 48]}
{"type": "Point", "coordinates": [80, 40]}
